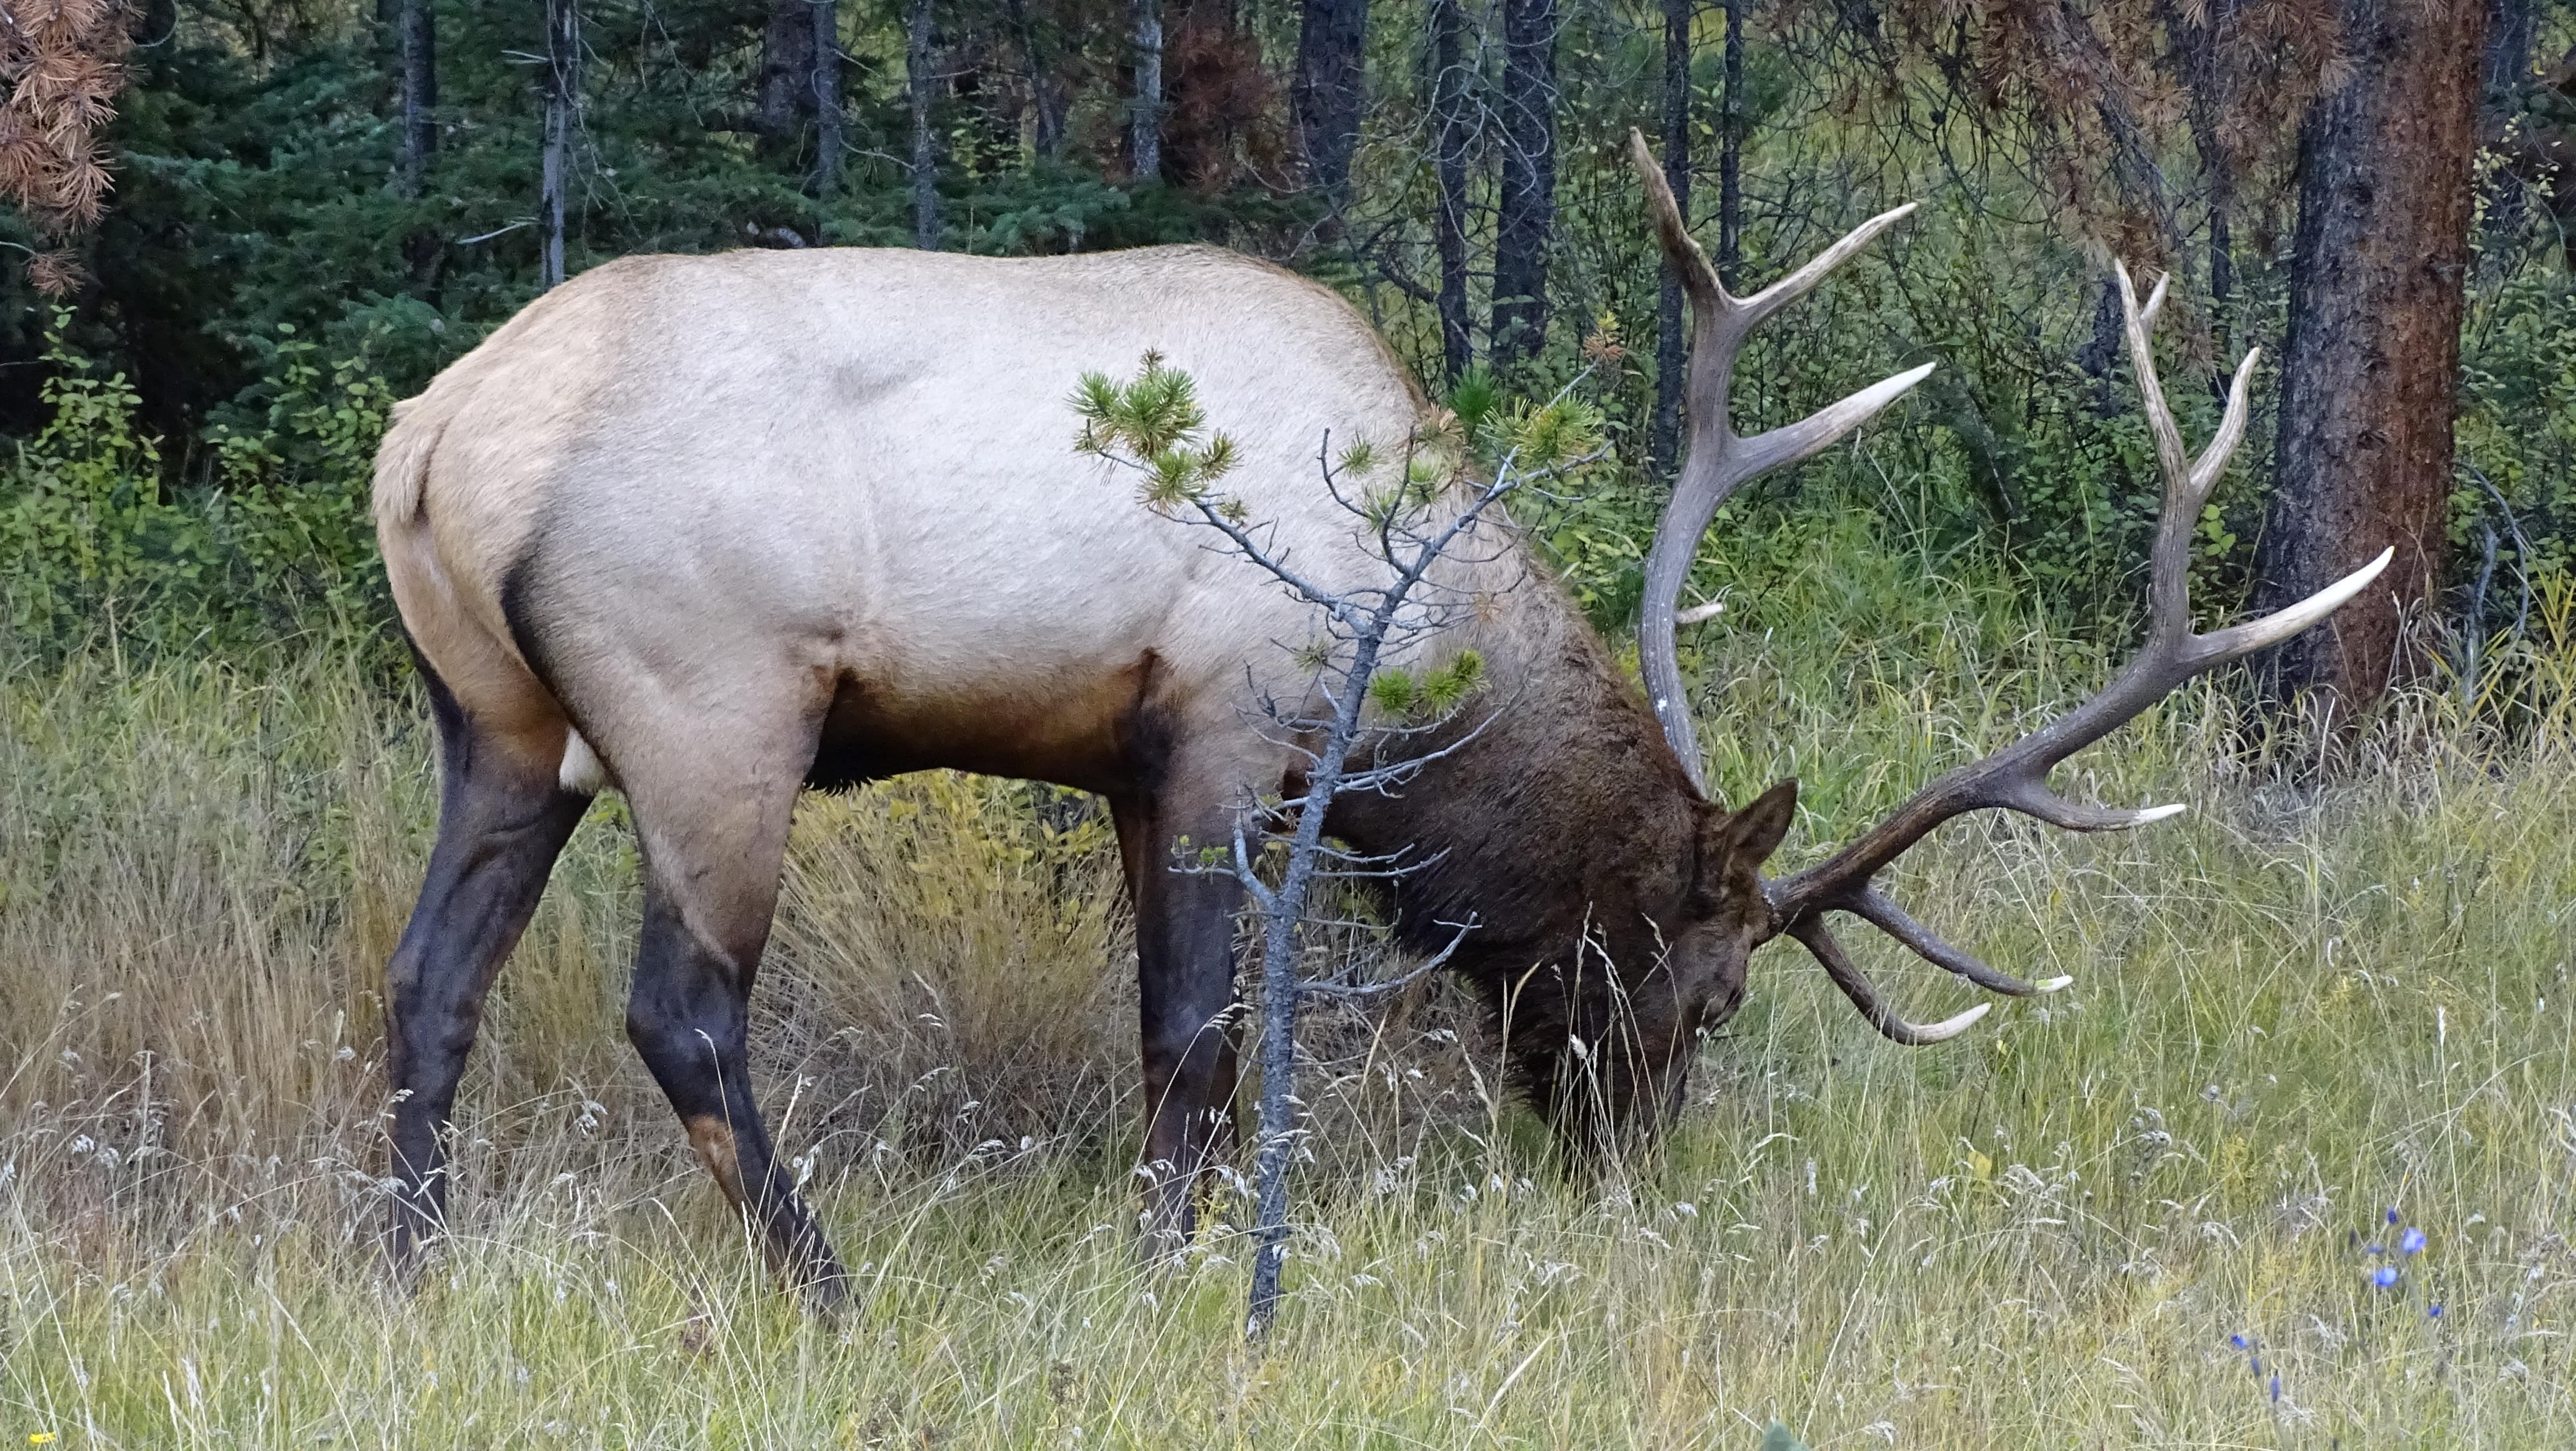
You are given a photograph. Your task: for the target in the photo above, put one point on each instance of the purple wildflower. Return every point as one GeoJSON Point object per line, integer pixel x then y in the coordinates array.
{"type": "Point", "coordinates": [2377, 1249]}
{"type": "Point", "coordinates": [2276, 1389]}
{"type": "Point", "coordinates": [2239, 1341]}
{"type": "Point", "coordinates": [2434, 1310]}
{"type": "Point", "coordinates": [2392, 1216]}
{"type": "Point", "coordinates": [2412, 1243]}
{"type": "Point", "coordinates": [2384, 1276]}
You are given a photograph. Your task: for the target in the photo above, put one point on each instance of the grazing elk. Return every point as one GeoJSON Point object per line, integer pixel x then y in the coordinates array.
{"type": "Point", "coordinates": [712, 529]}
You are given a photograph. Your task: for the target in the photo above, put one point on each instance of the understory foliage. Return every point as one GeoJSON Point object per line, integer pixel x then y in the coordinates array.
{"type": "Point", "coordinates": [2295, 1010]}
{"type": "Point", "coordinates": [259, 225]}
{"type": "Point", "coordinates": [276, 542]}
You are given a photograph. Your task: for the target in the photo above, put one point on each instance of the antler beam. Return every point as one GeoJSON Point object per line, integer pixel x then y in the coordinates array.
{"type": "Point", "coordinates": [2014, 778]}
{"type": "Point", "coordinates": [1716, 461]}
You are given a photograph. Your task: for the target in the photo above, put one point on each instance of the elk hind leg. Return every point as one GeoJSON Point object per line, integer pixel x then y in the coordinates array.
{"type": "Point", "coordinates": [503, 817]}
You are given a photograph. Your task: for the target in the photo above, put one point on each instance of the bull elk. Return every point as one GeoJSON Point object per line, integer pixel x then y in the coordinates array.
{"type": "Point", "coordinates": [715, 529]}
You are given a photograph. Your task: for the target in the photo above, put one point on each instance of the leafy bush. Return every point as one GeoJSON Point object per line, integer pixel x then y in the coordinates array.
{"type": "Point", "coordinates": [102, 550]}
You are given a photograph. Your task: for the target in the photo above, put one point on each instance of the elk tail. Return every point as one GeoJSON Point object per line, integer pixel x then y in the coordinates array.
{"type": "Point", "coordinates": [402, 463]}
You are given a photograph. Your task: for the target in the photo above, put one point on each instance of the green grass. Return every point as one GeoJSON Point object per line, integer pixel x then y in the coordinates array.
{"type": "Point", "coordinates": [2293, 1009]}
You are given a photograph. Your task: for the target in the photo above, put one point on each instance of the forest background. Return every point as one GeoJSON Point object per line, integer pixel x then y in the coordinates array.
{"type": "Point", "coordinates": [2293, 1164]}
{"type": "Point", "coordinates": [316, 204]}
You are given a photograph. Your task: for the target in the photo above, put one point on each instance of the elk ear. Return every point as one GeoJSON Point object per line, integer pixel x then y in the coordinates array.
{"type": "Point", "coordinates": [1751, 835]}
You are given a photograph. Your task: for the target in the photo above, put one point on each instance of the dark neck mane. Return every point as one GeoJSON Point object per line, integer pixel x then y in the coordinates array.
{"type": "Point", "coordinates": [1568, 804]}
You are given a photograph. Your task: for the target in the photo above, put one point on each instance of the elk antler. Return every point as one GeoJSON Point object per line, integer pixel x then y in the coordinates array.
{"type": "Point", "coordinates": [2016, 777]}
{"type": "Point", "coordinates": [1715, 461]}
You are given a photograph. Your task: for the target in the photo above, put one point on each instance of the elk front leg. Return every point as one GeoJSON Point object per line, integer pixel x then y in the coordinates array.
{"type": "Point", "coordinates": [1185, 964]}
{"type": "Point", "coordinates": [712, 816]}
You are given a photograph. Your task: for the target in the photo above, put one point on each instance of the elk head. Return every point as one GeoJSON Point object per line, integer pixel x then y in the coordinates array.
{"type": "Point", "coordinates": [1737, 909]}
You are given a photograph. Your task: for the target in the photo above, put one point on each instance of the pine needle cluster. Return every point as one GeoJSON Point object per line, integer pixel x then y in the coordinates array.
{"type": "Point", "coordinates": [1156, 420]}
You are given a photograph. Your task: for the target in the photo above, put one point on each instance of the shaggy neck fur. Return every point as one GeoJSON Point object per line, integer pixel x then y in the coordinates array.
{"type": "Point", "coordinates": [1567, 814]}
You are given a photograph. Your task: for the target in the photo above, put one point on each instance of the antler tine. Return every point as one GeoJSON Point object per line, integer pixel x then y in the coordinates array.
{"type": "Point", "coordinates": [1880, 911]}
{"type": "Point", "coordinates": [1698, 278]}
{"type": "Point", "coordinates": [2015, 778]}
{"type": "Point", "coordinates": [1717, 462]}
{"type": "Point", "coordinates": [1857, 987]}
{"type": "Point", "coordinates": [1799, 283]}
{"type": "Point", "coordinates": [2168, 576]}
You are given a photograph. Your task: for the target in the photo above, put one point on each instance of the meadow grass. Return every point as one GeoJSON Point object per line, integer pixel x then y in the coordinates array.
{"type": "Point", "coordinates": [2295, 1008]}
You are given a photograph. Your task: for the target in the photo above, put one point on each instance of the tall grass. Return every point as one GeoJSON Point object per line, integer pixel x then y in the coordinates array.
{"type": "Point", "coordinates": [2294, 1009]}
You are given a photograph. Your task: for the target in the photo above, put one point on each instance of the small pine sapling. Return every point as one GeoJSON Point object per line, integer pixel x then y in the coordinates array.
{"type": "Point", "coordinates": [1364, 723]}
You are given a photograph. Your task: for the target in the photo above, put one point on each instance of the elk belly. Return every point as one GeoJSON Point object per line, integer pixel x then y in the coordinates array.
{"type": "Point", "coordinates": [581, 771]}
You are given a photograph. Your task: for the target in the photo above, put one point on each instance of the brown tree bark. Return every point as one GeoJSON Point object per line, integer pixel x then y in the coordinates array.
{"type": "Point", "coordinates": [786, 81]}
{"type": "Point", "coordinates": [2378, 271]}
{"type": "Point", "coordinates": [1216, 95]}
{"type": "Point", "coordinates": [1449, 112]}
{"type": "Point", "coordinates": [1525, 223]}
{"type": "Point", "coordinates": [1329, 91]}
{"type": "Point", "coordinates": [1664, 440]}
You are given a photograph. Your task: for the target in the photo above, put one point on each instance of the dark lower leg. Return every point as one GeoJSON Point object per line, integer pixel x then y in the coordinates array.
{"type": "Point", "coordinates": [689, 1018]}
{"type": "Point", "coordinates": [1187, 1016]}
{"type": "Point", "coordinates": [496, 843]}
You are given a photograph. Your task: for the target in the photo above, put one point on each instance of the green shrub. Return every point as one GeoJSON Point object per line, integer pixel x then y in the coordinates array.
{"type": "Point", "coordinates": [102, 549]}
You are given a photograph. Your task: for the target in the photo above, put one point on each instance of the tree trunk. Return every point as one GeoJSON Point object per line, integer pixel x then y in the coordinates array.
{"type": "Point", "coordinates": [925, 152]}
{"type": "Point", "coordinates": [1046, 97]}
{"type": "Point", "coordinates": [1527, 215]}
{"type": "Point", "coordinates": [2378, 268]}
{"type": "Point", "coordinates": [1145, 123]}
{"type": "Point", "coordinates": [563, 92]}
{"type": "Point", "coordinates": [1730, 149]}
{"type": "Point", "coordinates": [1671, 346]}
{"type": "Point", "coordinates": [417, 35]}
{"type": "Point", "coordinates": [827, 97]}
{"type": "Point", "coordinates": [2202, 43]}
{"type": "Point", "coordinates": [1449, 114]}
{"type": "Point", "coordinates": [786, 82]}
{"type": "Point", "coordinates": [1328, 93]}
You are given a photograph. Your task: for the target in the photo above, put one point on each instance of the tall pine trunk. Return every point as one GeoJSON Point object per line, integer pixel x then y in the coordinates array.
{"type": "Point", "coordinates": [917, 61]}
{"type": "Point", "coordinates": [1046, 94]}
{"type": "Point", "coordinates": [1145, 123]}
{"type": "Point", "coordinates": [2378, 269]}
{"type": "Point", "coordinates": [1449, 228]}
{"type": "Point", "coordinates": [1671, 346]}
{"type": "Point", "coordinates": [786, 82]}
{"type": "Point", "coordinates": [1730, 149]}
{"type": "Point", "coordinates": [827, 97]}
{"type": "Point", "coordinates": [1526, 217]}
{"type": "Point", "coordinates": [1329, 91]}
{"type": "Point", "coordinates": [2202, 38]}
{"type": "Point", "coordinates": [416, 33]}
{"type": "Point", "coordinates": [563, 93]}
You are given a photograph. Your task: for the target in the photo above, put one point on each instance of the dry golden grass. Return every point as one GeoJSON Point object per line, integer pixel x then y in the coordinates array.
{"type": "Point", "coordinates": [2293, 1010]}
